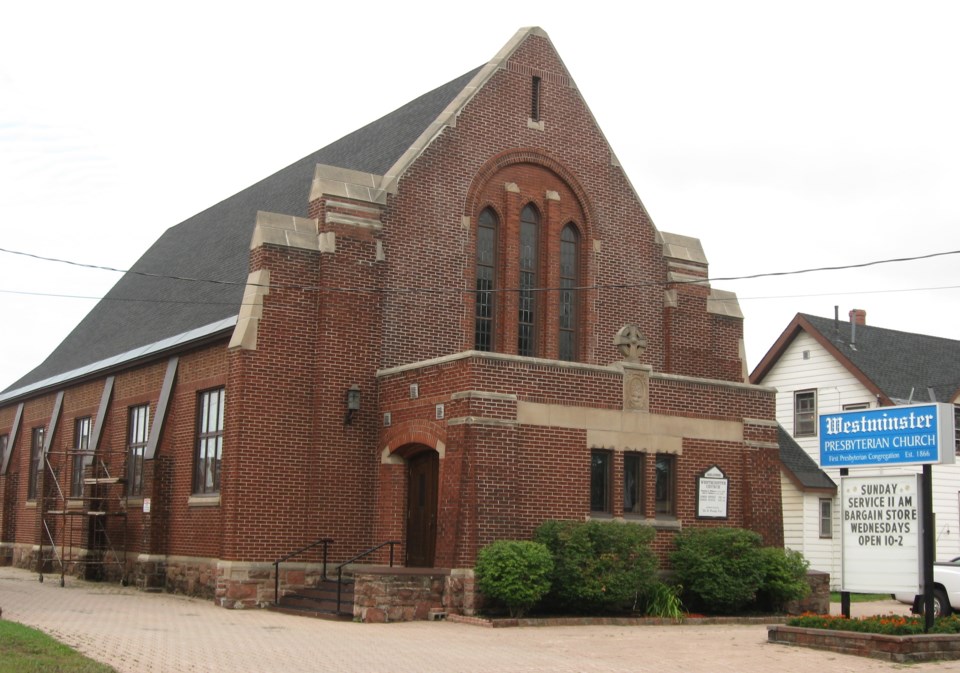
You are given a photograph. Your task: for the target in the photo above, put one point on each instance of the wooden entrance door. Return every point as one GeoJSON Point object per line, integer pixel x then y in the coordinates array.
{"type": "Point", "coordinates": [423, 472]}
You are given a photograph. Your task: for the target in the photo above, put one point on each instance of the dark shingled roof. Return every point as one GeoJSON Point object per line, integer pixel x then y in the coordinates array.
{"type": "Point", "coordinates": [803, 468]}
{"type": "Point", "coordinates": [214, 245]}
{"type": "Point", "coordinates": [901, 364]}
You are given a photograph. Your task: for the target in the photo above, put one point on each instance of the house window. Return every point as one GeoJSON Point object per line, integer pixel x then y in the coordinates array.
{"type": "Point", "coordinates": [666, 485]}
{"type": "Point", "coordinates": [138, 433]}
{"type": "Point", "coordinates": [486, 280]}
{"type": "Point", "coordinates": [601, 464]}
{"type": "Point", "coordinates": [82, 456]}
{"type": "Point", "coordinates": [569, 263]}
{"type": "Point", "coordinates": [36, 462]}
{"type": "Point", "coordinates": [529, 263]}
{"type": "Point", "coordinates": [856, 407]}
{"type": "Point", "coordinates": [956, 426]}
{"type": "Point", "coordinates": [633, 483]}
{"type": "Point", "coordinates": [805, 413]}
{"type": "Point", "coordinates": [209, 442]}
{"type": "Point", "coordinates": [826, 517]}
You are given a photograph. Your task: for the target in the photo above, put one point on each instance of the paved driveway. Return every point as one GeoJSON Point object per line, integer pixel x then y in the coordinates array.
{"type": "Point", "coordinates": [137, 632]}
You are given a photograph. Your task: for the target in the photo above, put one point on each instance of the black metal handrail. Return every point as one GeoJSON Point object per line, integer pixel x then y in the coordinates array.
{"type": "Point", "coordinates": [360, 556]}
{"type": "Point", "coordinates": [325, 541]}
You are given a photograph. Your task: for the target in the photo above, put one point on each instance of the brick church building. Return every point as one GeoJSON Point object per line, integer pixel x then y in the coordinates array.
{"type": "Point", "coordinates": [440, 330]}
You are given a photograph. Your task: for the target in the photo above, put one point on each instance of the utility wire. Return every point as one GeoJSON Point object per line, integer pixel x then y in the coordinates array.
{"type": "Point", "coordinates": [454, 290]}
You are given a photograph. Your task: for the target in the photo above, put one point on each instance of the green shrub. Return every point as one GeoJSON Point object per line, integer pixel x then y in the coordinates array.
{"type": "Point", "coordinates": [514, 572]}
{"type": "Point", "coordinates": [784, 578]}
{"type": "Point", "coordinates": [598, 565]}
{"type": "Point", "coordinates": [721, 569]}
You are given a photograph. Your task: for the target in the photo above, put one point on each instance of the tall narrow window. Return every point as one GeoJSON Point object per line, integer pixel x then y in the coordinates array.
{"type": "Point", "coordinates": [569, 257]}
{"type": "Point", "coordinates": [82, 456]}
{"type": "Point", "coordinates": [486, 275]}
{"type": "Point", "coordinates": [529, 263]}
{"type": "Point", "coordinates": [633, 483]}
{"type": "Point", "coordinates": [4, 448]}
{"type": "Point", "coordinates": [209, 442]}
{"type": "Point", "coordinates": [138, 433]}
{"type": "Point", "coordinates": [805, 413]}
{"type": "Point", "coordinates": [535, 100]}
{"type": "Point", "coordinates": [36, 463]}
{"type": "Point", "coordinates": [666, 485]}
{"type": "Point", "coordinates": [600, 467]}
{"type": "Point", "coordinates": [826, 517]}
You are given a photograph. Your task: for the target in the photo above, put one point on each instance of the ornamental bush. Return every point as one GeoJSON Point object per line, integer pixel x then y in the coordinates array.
{"type": "Point", "coordinates": [721, 569]}
{"type": "Point", "coordinates": [598, 565]}
{"type": "Point", "coordinates": [515, 573]}
{"type": "Point", "coordinates": [784, 578]}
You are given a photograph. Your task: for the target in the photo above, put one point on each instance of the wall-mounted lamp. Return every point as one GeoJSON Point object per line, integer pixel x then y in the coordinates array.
{"type": "Point", "coordinates": [353, 403]}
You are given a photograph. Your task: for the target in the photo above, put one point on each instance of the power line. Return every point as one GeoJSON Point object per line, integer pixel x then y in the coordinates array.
{"type": "Point", "coordinates": [453, 290]}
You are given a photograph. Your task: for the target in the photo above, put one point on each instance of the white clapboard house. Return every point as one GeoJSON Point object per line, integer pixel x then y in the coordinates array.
{"type": "Point", "coordinates": [825, 365]}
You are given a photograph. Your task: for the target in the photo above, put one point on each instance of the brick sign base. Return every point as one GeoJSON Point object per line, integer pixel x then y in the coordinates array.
{"type": "Point", "coordinates": [904, 649]}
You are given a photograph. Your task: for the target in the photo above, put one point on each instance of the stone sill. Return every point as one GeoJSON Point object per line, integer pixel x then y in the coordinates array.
{"type": "Point", "coordinates": [901, 649]}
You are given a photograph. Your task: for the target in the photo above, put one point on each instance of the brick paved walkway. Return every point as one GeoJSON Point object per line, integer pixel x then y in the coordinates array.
{"type": "Point", "coordinates": [137, 632]}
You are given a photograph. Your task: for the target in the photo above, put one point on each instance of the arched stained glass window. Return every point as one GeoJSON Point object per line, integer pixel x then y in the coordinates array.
{"type": "Point", "coordinates": [529, 260]}
{"type": "Point", "coordinates": [569, 281]}
{"type": "Point", "coordinates": [486, 280]}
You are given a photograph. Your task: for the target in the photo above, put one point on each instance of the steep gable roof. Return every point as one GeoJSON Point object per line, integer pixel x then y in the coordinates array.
{"type": "Point", "coordinates": [897, 366]}
{"type": "Point", "coordinates": [191, 281]}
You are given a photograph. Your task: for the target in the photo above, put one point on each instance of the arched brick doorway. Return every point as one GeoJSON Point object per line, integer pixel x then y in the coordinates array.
{"type": "Point", "coordinates": [423, 471]}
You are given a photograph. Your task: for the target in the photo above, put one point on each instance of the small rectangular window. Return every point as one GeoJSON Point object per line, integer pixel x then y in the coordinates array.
{"type": "Point", "coordinates": [138, 434]}
{"type": "Point", "coordinates": [633, 483]}
{"type": "Point", "coordinates": [36, 463]}
{"type": "Point", "coordinates": [209, 447]}
{"type": "Point", "coordinates": [82, 455]}
{"type": "Point", "coordinates": [826, 517]}
{"type": "Point", "coordinates": [805, 413]}
{"type": "Point", "coordinates": [666, 485]}
{"type": "Point", "coordinates": [601, 464]}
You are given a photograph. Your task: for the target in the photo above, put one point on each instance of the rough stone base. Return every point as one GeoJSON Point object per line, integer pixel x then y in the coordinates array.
{"type": "Point", "coordinates": [398, 594]}
{"type": "Point", "coordinates": [818, 601]}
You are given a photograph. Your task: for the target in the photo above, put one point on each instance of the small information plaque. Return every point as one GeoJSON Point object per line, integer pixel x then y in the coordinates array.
{"type": "Point", "coordinates": [712, 494]}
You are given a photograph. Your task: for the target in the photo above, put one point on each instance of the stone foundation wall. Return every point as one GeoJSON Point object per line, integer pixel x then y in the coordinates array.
{"type": "Point", "coordinates": [399, 594]}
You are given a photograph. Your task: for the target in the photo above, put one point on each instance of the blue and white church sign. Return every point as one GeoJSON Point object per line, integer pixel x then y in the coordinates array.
{"type": "Point", "coordinates": [915, 434]}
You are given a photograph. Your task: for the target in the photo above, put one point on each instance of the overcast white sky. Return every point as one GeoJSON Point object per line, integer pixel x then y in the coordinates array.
{"type": "Point", "coordinates": [783, 135]}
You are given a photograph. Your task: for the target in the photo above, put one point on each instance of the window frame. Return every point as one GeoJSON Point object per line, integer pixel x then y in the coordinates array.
{"type": "Point", "coordinates": [203, 483]}
{"type": "Point", "coordinates": [665, 486]}
{"type": "Point", "coordinates": [567, 343]}
{"type": "Point", "coordinates": [485, 323]}
{"type": "Point", "coordinates": [602, 505]}
{"type": "Point", "coordinates": [805, 420]}
{"type": "Point", "coordinates": [138, 435]}
{"type": "Point", "coordinates": [36, 461]}
{"type": "Point", "coordinates": [638, 489]}
{"type": "Point", "coordinates": [825, 533]}
{"type": "Point", "coordinates": [528, 308]}
{"type": "Point", "coordinates": [82, 456]}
